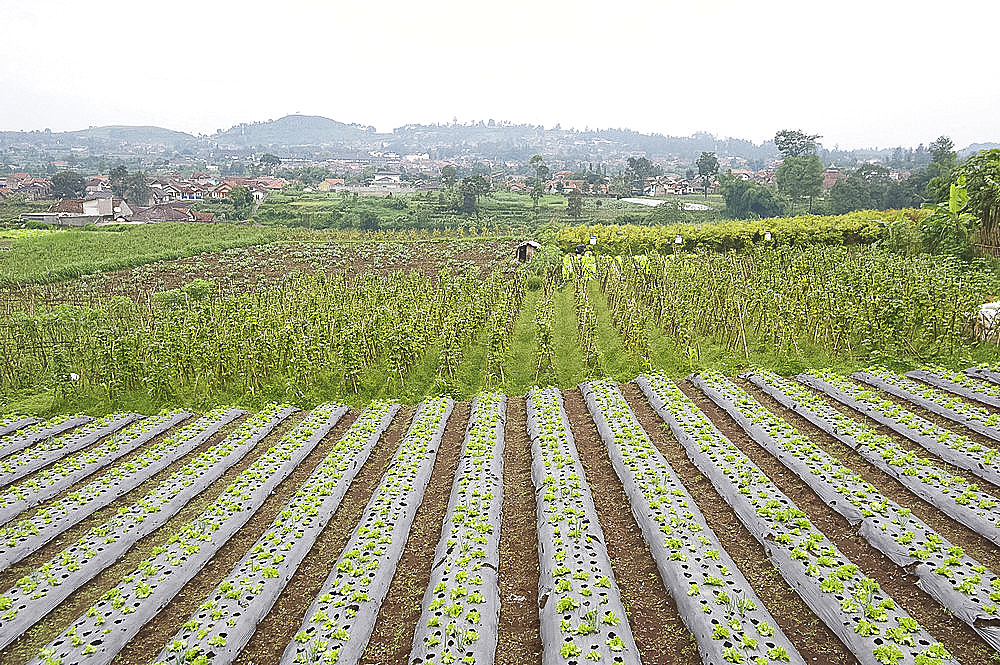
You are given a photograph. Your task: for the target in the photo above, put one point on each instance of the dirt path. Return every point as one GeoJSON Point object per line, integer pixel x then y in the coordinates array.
{"type": "Point", "coordinates": [519, 640]}
{"type": "Point", "coordinates": [393, 635]}
{"type": "Point", "coordinates": [656, 623]}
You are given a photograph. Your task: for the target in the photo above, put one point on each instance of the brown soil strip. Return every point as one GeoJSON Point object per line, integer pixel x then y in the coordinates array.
{"type": "Point", "coordinates": [392, 637]}
{"type": "Point", "coordinates": [33, 640]}
{"type": "Point", "coordinates": [652, 614]}
{"type": "Point", "coordinates": [956, 636]}
{"type": "Point", "coordinates": [519, 640]}
{"type": "Point", "coordinates": [975, 545]}
{"type": "Point", "coordinates": [279, 626]}
{"type": "Point", "coordinates": [815, 642]}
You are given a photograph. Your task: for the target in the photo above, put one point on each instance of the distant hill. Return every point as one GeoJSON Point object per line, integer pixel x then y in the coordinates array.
{"type": "Point", "coordinates": [976, 147]}
{"type": "Point", "coordinates": [294, 130]}
{"type": "Point", "coordinates": [131, 134]}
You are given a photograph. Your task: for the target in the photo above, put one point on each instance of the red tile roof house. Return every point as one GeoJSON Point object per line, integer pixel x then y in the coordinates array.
{"type": "Point", "coordinates": [222, 191]}
{"type": "Point", "coordinates": [163, 213]}
{"type": "Point", "coordinates": [831, 177]}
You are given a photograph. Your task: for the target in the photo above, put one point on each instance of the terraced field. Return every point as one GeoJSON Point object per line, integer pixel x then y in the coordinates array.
{"type": "Point", "coordinates": [756, 519]}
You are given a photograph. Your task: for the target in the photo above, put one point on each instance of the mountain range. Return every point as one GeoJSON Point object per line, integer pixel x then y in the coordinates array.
{"type": "Point", "coordinates": [316, 136]}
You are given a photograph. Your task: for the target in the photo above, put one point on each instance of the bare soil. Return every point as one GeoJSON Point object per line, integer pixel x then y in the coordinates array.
{"type": "Point", "coordinates": [519, 640]}
{"type": "Point", "coordinates": [656, 624]}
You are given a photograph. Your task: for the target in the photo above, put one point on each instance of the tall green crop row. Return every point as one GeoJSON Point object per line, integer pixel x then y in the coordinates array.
{"type": "Point", "coordinates": [586, 322]}
{"type": "Point", "coordinates": [342, 334]}
{"type": "Point", "coordinates": [853, 303]}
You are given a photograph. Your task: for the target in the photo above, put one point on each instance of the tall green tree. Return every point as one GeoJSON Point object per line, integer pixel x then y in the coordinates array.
{"type": "Point", "coordinates": [137, 190]}
{"type": "Point", "coordinates": [449, 175]}
{"type": "Point", "coordinates": [795, 143]}
{"type": "Point", "coordinates": [67, 185]}
{"type": "Point", "coordinates": [951, 228]}
{"type": "Point", "coordinates": [865, 189]}
{"type": "Point", "coordinates": [800, 178]}
{"type": "Point", "coordinates": [982, 175]}
{"type": "Point", "coordinates": [269, 163]}
{"type": "Point", "coordinates": [941, 169]}
{"type": "Point", "coordinates": [746, 199]}
{"type": "Point", "coordinates": [708, 166]}
{"type": "Point", "coordinates": [242, 201]}
{"type": "Point", "coordinates": [118, 178]}
{"type": "Point", "coordinates": [537, 163]}
{"type": "Point", "coordinates": [472, 188]}
{"type": "Point", "coordinates": [574, 203]}
{"type": "Point", "coordinates": [637, 170]}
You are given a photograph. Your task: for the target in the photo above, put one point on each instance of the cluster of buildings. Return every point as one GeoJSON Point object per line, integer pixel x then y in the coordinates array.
{"type": "Point", "coordinates": [170, 200]}
{"type": "Point", "coordinates": [101, 210]}
{"type": "Point", "coordinates": [23, 185]}
{"type": "Point", "coordinates": [202, 186]}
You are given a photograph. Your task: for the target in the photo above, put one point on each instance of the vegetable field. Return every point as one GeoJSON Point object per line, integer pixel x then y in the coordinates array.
{"type": "Point", "coordinates": [756, 519]}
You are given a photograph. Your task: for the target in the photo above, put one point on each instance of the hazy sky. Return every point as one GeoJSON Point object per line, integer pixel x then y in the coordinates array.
{"type": "Point", "coordinates": [861, 73]}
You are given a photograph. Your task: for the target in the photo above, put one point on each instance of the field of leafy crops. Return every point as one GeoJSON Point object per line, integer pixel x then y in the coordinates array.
{"type": "Point", "coordinates": [757, 519]}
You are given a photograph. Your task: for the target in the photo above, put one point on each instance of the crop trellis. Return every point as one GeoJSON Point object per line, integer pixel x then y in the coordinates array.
{"type": "Point", "coordinates": [303, 330]}
{"type": "Point", "coordinates": [958, 582]}
{"type": "Point", "coordinates": [852, 605]}
{"type": "Point", "coordinates": [714, 599]}
{"type": "Point", "coordinates": [586, 325]}
{"type": "Point", "coordinates": [544, 319]}
{"type": "Point", "coordinates": [580, 606]}
{"type": "Point", "coordinates": [850, 302]}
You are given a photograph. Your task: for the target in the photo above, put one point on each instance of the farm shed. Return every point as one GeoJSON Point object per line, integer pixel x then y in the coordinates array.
{"type": "Point", "coordinates": [526, 250]}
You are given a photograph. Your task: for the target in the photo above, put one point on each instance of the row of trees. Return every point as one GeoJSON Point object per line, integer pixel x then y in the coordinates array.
{"type": "Point", "coordinates": [871, 188]}
{"type": "Point", "coordinates": [131, 187]}
{"type": "Point", "coordinates": [799, 179]}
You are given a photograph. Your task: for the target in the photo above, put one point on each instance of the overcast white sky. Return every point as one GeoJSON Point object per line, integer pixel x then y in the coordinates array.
{"type": "Point", "coordinates": [861, 73]}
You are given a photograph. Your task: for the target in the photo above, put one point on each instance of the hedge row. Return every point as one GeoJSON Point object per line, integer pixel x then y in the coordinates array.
{"type": "Point", "coordinates": [855, 228]}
